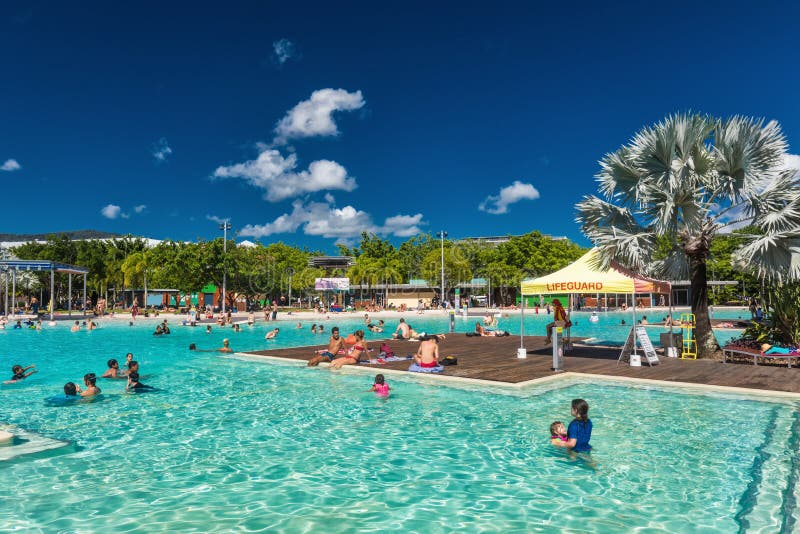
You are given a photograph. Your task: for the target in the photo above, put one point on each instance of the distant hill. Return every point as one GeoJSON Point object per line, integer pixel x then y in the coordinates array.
{"type": "Point", "coordinates": [73, 234]}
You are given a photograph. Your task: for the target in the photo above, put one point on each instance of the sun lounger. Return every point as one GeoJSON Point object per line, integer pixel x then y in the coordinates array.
{"type": "Point", "coordinates": [755, 354]}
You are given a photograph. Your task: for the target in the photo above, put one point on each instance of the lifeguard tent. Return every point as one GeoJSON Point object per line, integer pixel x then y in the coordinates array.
{"type": "Point", "coordinates": [14, 266]}
{"type": "Point", "coordinates": [581, 277]}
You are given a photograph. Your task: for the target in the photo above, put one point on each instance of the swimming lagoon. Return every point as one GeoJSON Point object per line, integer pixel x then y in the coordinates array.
{"type": "Point", "coordinates": [234, 444]}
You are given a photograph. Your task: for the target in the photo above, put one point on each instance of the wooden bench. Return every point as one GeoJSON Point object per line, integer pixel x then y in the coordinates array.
{"type": "Point", "coordinates": [755, 354]}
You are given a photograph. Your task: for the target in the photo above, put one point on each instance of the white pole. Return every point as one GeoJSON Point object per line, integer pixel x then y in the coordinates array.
{"type": "Point", "coordinates": [521, 352]}
{"type": "Point", "coordinates": [5, 277]}
{"type": "Point", "coordinates": [14, 290]}
{"type": "Point", "coordinates": [69, 291]}
{"type": "Point", "coordinates": [224, 227]}
{"type": "Point", "coordinates": [442, 235]}
{"type": "Point", "coordinates": [85, 311]}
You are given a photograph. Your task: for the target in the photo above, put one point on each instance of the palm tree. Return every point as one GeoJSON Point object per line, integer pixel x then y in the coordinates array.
{"type": "Point", "coordinates": [684, 180]}
{"type": "Point", "coordinates": [136, 265]}
{"type": "Point", "coordinates": [388, 270]}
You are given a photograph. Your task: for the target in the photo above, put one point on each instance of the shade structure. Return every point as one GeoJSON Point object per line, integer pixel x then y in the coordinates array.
{"type": "Point", "coordinates": [582, 277]}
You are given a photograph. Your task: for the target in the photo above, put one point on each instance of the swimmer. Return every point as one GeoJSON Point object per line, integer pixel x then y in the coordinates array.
{"type": "Point", "coordinates": [91, 389]}
{"type": "Point", "coordinates": [75, 327]}
{"type": "Point", "coordinates": [594, 318]}
{"type": "Point", "coordinates": [133, 367]}
{"type": "Point", "coordinates": [558, 433]}
{"type": "Point", "coordinates": [133, 383]}
{"type": "Point", "coordinates": [225, 346]}
{"type": "Point", "coordinates": [90, 325]}
{"type": "Point", "coordinates": [380, 387]}
{"type": "Point", "coordinates": [20, 373]}
{"type": "Point", "coordinates": [376, 327]}
{"type": "Point", "coordinates": [70, 389]}
{"type": "Point", "coordinates": [159, 331]}
{"type": "Point", "coordinates": [208, 329]}
{"type": "Point", "coordinates": [113, 370]}
{"type": "Point", "coordinates": [236, 327]}
{"type": "Point", "coordinates": [299, 325]}
{"type": "Point", "coordinates": [272, 334]}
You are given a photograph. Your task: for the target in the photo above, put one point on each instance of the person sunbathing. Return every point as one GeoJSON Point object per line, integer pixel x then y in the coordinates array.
{"type": "Point", "coordinates": [335, 345]}
{"type": "Point", "coordinates": [356, 353]}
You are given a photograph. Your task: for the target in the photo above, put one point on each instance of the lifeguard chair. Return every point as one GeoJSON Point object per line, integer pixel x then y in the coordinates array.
{"type": "Point", "coordinates": [689, 342]}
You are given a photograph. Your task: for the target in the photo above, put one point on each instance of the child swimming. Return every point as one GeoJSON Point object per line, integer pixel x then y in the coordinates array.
{"type": "Point", "coordinates": [20, 374]}
{"type": "Point", "coordinates": [558, 433]}
{"type": "Point", "coordinates": [380, 387]}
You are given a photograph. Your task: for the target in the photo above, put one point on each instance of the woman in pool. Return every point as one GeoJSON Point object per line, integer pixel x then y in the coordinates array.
{"type": "Point", "coordinates": [113, 370]}
{"type": "Point", "coordinates": [90, 380]}
{"type": "Point", "coordinates": [579, 431]}
{"type": "Point", "coordinates": [359, 349]}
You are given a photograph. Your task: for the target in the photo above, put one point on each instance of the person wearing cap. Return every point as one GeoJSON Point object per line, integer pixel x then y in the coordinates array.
{"type": "Point", "coordinates": [559, 319]}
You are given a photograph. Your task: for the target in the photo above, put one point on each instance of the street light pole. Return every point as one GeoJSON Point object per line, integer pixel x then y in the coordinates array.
{"type": "Point", "coordinates": [224, 226]}
{"type": "Point", "coordinates": [442, 235]}
{"type": "Point", "coordinates": [290, 272]}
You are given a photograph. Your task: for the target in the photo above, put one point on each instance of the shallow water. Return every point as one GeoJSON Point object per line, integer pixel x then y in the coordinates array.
{"type": "Point", "coordinates": [231, 444]}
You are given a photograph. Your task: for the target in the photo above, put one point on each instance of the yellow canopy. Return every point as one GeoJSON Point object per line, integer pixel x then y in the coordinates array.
{"type": "Point", "coordinates": [581, 277]}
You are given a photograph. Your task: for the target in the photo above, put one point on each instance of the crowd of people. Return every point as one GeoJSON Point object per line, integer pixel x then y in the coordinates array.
{"type": "Point", "coordinates": [90, 387]}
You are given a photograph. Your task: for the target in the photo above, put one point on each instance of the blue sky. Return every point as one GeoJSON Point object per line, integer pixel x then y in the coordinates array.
{"type": "Point", "coordinates": [309, 124]}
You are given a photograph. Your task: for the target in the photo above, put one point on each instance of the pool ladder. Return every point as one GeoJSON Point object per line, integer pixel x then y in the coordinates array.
{"type": "Point", "coordinates": [687, 331]}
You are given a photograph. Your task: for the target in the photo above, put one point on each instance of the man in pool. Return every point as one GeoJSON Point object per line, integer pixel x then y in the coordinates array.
{"type": "Point", "coordinates": [335, 345]}
{"type": "Point", "coordinates": [225, 348]}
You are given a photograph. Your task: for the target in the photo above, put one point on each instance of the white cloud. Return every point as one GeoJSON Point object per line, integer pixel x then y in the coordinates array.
{"type": "Point", "coordinates": [218, 220]}
{"type": "Point", "coordinates": [402, 225]}
{"type": "Point", "coordinates": [284, 50]}
{"type": "Point", "coordinates": [140, 208]}
{"type": "Point", "coordinates": [323, 219]}
{"type": "Point", "coordinates": [161, 150]}
{"type": "Point", "coordinates": [792, 161]}
{"type": "Point", "coordinates": [10, 165]}
{"type": "Point", "coordinates": [276, 175]}
{"type": "Point", "coordinates": [112, 211]}
{"type": "Point", "coordinates": [498, 204]}
{"type": "Point", "coordinates": [314, 116]}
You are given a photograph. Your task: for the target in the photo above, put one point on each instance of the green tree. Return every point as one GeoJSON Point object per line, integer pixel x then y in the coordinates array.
{"type": "Point", "coordinates": [687, 178]}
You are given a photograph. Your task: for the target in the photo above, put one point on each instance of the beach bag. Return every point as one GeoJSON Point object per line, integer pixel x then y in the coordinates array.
{"type": "Point", "coordinates": [386, 350]}
{"type": "Point", "coordinates": [449, 360]}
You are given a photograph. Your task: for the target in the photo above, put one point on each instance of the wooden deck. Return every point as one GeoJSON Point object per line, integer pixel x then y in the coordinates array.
{"type": "Point", "coordinates": [495, 359]}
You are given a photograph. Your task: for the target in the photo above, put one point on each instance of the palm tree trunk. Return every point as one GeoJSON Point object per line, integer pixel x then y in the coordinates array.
{"type": "Point", "coordinates": [706, 342]}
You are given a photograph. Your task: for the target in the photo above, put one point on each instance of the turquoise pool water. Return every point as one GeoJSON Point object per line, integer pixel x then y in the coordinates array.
{"type": "Point", "coordinates": [229, 444]}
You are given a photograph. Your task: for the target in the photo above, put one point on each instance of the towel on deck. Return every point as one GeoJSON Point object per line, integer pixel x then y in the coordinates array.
{"type": "Point", "coordinates": [388, 359]}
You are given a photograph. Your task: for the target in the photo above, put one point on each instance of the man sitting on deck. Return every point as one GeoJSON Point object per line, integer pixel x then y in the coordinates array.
{"type": "Point", "coordinates": [403, 331]}
{"type": "Point", "coordinates": [335, 345]}
{"type": "Point", "coordinates": [427, 355]}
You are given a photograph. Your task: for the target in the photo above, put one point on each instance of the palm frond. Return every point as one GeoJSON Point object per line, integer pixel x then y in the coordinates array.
{"type": "Point", "coordinates": [748, 153]}
{"type": "Point", "coordinates": [773, 257]}
{"type": "Point", "coordinates": [595, 213]}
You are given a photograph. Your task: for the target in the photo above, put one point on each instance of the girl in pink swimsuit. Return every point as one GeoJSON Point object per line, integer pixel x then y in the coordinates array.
{"type": "Point", "coordinates": [380, 387]}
